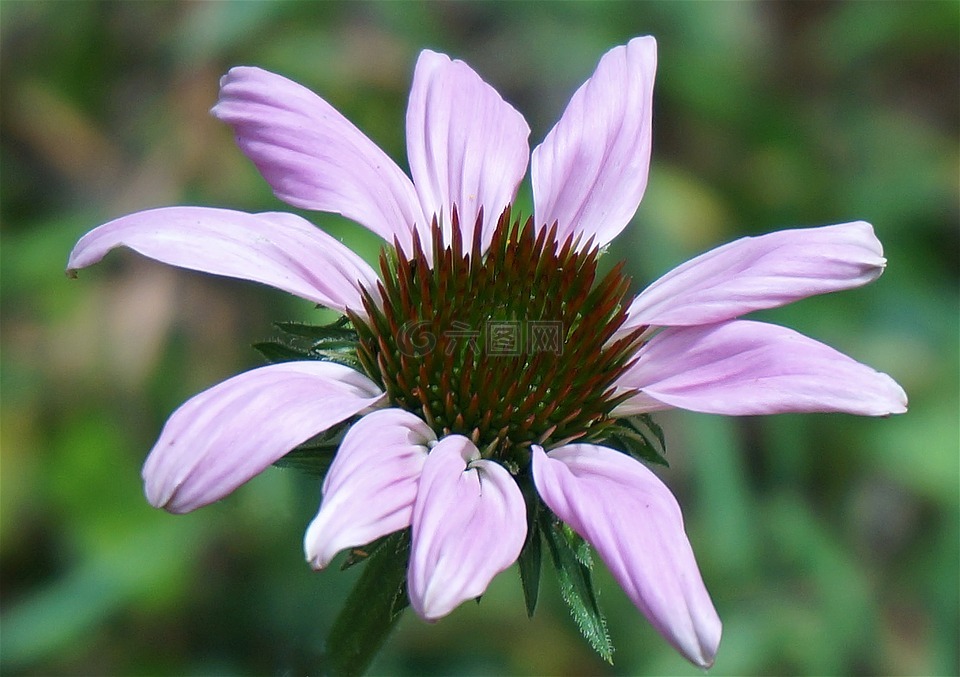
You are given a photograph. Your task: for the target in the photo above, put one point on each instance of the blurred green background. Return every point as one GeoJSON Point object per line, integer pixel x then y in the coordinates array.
{"type": "Point", "coordinates": [829, 542]}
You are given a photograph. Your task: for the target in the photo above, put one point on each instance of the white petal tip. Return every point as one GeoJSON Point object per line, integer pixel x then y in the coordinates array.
{"type": "Point", "coordinates": [899, 405]}
{"type": "Point", "coordinates": [709, 644]}
{"type": "Point", "coordinates": [317, 556]}
{"type": "Point", "coordinates": [156, 497]}
{"type": "Point", "coordinates": [430, 615]}
{"type": "Point", "coordinates": [316, 563]}
{"type": "Point", "coordinates": [890, 397]}
{"type": "Point", "coordinates": [171, 502]}
{"type": "Point", "coordinates": [431, 612]}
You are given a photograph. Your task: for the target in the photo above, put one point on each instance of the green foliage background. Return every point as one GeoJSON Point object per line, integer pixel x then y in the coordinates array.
{"type": "Point", "coordinates": [830, 543]}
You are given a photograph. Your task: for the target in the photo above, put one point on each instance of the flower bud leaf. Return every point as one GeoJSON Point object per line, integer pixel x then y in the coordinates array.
{"type": "Point", "coordinates": [325, 334]}
{"type": "Point", "coordinates": [576, 584]}
{"type": "Point", "coordinates": [314, 456]}
{"type": "Point", "coordinates": [274, 352]}
{"type": "Point", "coordinates": [639, 436]}
{"type": "Point", "coordinates": [307, 462]}
{"type": "Point", "coordinates": [334, 342]}
{"type": "Point", "coordinates": [371, 610]}
{"type": "Point", "coordinates": [357, 555]}
{"type": "Point", "coordinates": [529, 562]}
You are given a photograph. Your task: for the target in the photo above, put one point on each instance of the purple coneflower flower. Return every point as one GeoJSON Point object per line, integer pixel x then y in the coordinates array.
{"type": "Point", "coordinates": [448, 432]}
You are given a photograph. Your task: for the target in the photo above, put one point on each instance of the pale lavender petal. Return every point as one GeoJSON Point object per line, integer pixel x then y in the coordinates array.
{"type": "Point", "coordinates": [312, 156]}
{"type": "Point", "coordinates": [219, 439]}
{"type": "Point", "coordinates": [466, 145]}
{"type": "Point", "coordinates": [624, 511]}
{"type": "Point", "coordinates": [590, 172]}
{"type": "Point", "coordinates": [742, 367]}
{"type": "Point", "coordinates": [760, 272]}
{"type": "Point", "coordinates": [469, 524]}
{"type": "Point", "coordinates": [371, 486]}
{"type": "Point", "coordinates": [281, 250]}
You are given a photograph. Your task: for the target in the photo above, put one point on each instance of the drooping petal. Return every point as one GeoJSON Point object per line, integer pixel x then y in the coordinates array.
{"type": "Point", "coordinates": [312, 156]}
{"type": "Point", "coordinates": [624, 511]}
{"type": "Point", "coordinates": [753, 273]}
{"type": "Point", "coordinates": [281, 250]}
{"type": "Point", "coordinates": [590, 172]}
{"type": "Point", "coordinates": [219, 439]}
{"type": "Point", "coordinates": [469, 524]}
{"type": "Point", "coordinates": [466, 145]}
{"type": "Point", "coordinates": [743, 367]}
{"type": "Point", "coordinates": [371, 485]}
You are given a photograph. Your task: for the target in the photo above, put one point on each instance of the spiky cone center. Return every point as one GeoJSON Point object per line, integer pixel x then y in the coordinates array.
{"type": "Point", "coordinates": [509, 347]}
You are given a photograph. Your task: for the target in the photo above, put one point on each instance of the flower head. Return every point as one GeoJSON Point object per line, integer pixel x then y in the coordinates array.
{"type": "Point", "coordinates": [493, 362]}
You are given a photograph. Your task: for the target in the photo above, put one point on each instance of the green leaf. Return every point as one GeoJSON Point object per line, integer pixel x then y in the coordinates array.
{"type": "Point", "coordinates": [333, 342]}
{"type": "Point", "coordinates": [336, 332]}
{"type": "Point", "coordinates": [644, 423]}
{"type": "Point", "coordinates": [357, 555]}
{"type": "Point", "coordinates": [640, 437]}
{"type": "Point", "coordinates": [571, 557]}
{"type": "Point", "coordinates": [581, 549]}
{"type": "Point", "coordinates": [347, 358]}
{"type": "Point", "coordinates": [274, 352]}
{"type": "Point", "coordinates": [314, 456]}
{"type": "Point", "coordinates": [529, 562]}
{"type": "Point", "coordinates": [307, 462]}
{"type": "Point", "coordinates": [372, 609]}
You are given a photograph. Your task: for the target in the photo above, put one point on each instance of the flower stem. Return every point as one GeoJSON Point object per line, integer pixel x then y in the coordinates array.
{"type": "Point", "coordinates": [372, 609]}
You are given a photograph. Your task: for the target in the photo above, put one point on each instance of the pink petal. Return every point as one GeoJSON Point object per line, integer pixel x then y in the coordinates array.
{"type": "Point", "coordinates": [219, 439]}
{"type": "Point", "coordinates": [618, 506]}
{"type": "Point", "coordinates": [590, 172]}
{"type": "Point", "coordinates": [312, 156]}
{"type": "Point", "coordinates": [760, 272]}
{"type": "Point", "coordinates": [281, 250]}
{"type": "Point", "coordinates": [467, 146]}
{"type": "Point", "coordinates": [469, 524]}
{"type": "Point", "coordinates": [742, 367]}
{"type": "Point", "coordinates": [371, 485]}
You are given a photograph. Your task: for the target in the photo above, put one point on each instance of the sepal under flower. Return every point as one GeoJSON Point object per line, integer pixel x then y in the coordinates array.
{"type": "Point", "coordinates": [633, 521]}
